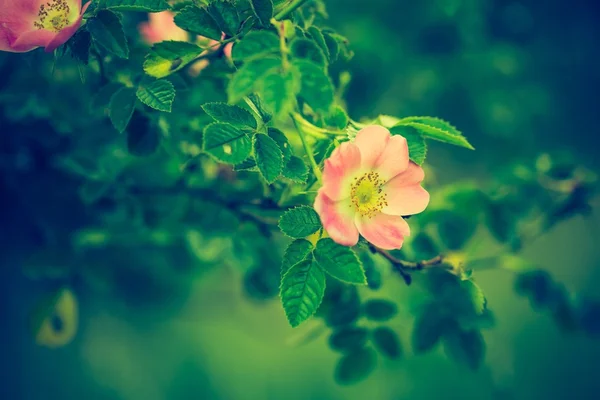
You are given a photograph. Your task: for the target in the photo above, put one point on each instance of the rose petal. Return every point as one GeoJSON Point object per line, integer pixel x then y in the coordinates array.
{"type": "Point", "coordinates": [404, 194]}
{"type": "Point", "coordinates": [371, 141]}
{"type": "Point", "coordinates": [394, 158]}
{"type": "Point", "coordinates": [382, 230]}
{"type": "Point", "coordinates": [33, 39]}
{"type": "Point", "coordinates": [337, 219]}
{"type": "Point", "coordinates": [339, 170]}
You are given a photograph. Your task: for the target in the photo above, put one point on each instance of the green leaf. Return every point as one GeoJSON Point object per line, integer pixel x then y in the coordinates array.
{"type": "Point", "coordinates": [454, 229]}
{"type": "Point", "coordinates": [249, 164]}
{"type": "Point", "coordinates": [264, 115]}
{"type": "Point", "coordinates": [107, 31]}
{"type": "Point", "coordinates": [249, 76]}
{"type": "Point", "coordinates": [332, 47]}
{"type": "Point", "coordinates": [338, 118]}
{"type": "Point", "coordinates": [307, 50]}
{"type": "Point", "coordinates": [170, 56]}
{"type": "Point", "coordinates": [355, 367]}
{"type": "Point", "coordinates": [137, 5]}
{"type": "Point", "coordinates": [302, 290]}
{"type": "Point", "coordinates": [295, 170]}
{"type": "Point", "coordinates": [197, 20]}
{"type": "Point", "coordinates": [300, 222]}
{"type": "Point", "coordinates": [319, 39]}
{"type": "Point", "coordinates": [142, 138]}
{"type": "Point", "coordinates": [372, 271]}
{"type": "Point", "coordinates": [121, 107]}
{"type": "Point", "coordinates": [429, 328]}
{"type": "Point", "coordinates": [79, 46]}
{"type": "Point", "coordinates": [282, 141]}
{"type": "Point", "coordinates": [278, 91]}
{"type": "Point", "coordinates": [101, 100]}
{"type": "Point", "coordinates": [467, 347]}
{"type": "Point", "coordinates": [316, 89]}
{"type": "Point", "coordinates": [344, 305]}
{"type": "Point", "coordinates": [256, 44]}
{"type": "Point", "coordinates": [417, 148]}
{"type": "Point", "coordinates": [339, 261]}
{"type": "Point", "coordinates": [263, 9]}
{"type": "Point", "coordinates": [387, 342]}
{"type": "Point", "coordinates": [225, 14]}
{"type": "Point", "coordinates": [226, 143]}
{"type": "Point", "coordinates": [158, 95]}
{"type": "Point", "coordinates": [234, 115]}
{"type": "Point", "coordinates": [297, 251]}
{"type": "Point", "coordinates": [268, 157]}
{"type": "Point", "coordinates": [437, 129]}
{"type": "Point", "coordinates": [379, 310]}
{"type": "Point", "coordinates": [348, 339]}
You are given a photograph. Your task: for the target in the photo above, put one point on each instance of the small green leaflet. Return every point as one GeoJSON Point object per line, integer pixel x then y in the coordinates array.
{"type": "Point", "coordinates": [297, 251]}
{"type": "Point", "coordinates": [387, 342]}
{"type": "Point", "coordinates": [121, 107]}
{"type": "Point", "coordinates": [267, 154]}
{"type": "Point", "coordinates": [225, 14]}
{"type": "Point", "coordinates": [302, 290]}
{"type": "Point", "coordinates": [308, 50]}
{"type": "Point", "coordinates": [319, 39]}
{"type": "Point", "coordinates": [339, 261]}
{"type": "Point", "coordinates": [300, 222]}
{"type": "Point", "coordinates": [250, 75]}
{"type": "Point", "coordinates": [143, 138]}
{"type": "Point", "coordinates": [316, 88]}
{"type": "Point", "coordinates": [282, 141]}
{"type": "Point", "coordinates": [467, 347]}
{"type": "Point", "coordinates": [380, 310]}
{"type": "Point", "coordinates": [226, 143]}
{"type": "Point", "coordinates": [137, 5]}
{"type": "Point", "coordinates": [256, 44]}
{"type": "Point", "coordinates": [417, 148]}
{"type": "Point", "coordinates": [295, 170]}
{"type": "Point", "coordinates": [234, 115]}
{"type": "Point", "coordinates": [158, 95]}
{"type": "Point", "coordinates": [355, 366]}
{"type": "Point", "coordinates": [437, 129]}
{"type": "Point", "coordinates": [349, 339]}
{"type": "Point", "coordinates": [278, 91]}
{"type": "Point", "coordinates": [263, 9]}
{"type": "Point", "coordinates": [197, 20]}
{"type": "Point", "coordinates": [170, 56]}
{"type": "Point", "coordinates": [107, 31]}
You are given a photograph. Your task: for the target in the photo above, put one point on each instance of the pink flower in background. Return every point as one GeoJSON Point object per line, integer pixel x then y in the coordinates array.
{"type": "Point", "coordinates": [368, 185]}
{"type": "Point", "coordinates": [160, 27]}
{"type": "Point", "coordinates": [28, 24]}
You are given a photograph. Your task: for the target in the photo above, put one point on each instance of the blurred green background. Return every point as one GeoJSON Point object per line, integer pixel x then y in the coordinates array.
{"type": "Point", "coordinates": [517, 77]}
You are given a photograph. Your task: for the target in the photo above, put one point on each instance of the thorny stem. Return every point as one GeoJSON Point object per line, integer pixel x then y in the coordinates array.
{"type": "Point", "coordinates": [308, 151]}
{"type": "Point", "coordinates": [402, 266]}
{"type": "Point", "coordinates": [293, 6]}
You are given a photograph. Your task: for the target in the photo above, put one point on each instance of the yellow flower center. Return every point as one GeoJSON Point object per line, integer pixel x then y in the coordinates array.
{"type": "Point", "coordinates": [366, 194]}
{"type": "Point", "coordinates": [53, 16]}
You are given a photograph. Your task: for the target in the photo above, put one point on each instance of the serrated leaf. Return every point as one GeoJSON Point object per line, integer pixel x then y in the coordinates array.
{"type": "Point", "coordinates": [379, 310]}
{"type": "Point", "coordinates": [137, 5]}
{"type": "Point", "coordinates": [256, 44]}
{"type": "Point", "coordinates": [332, 47]}
{"type": "Point", "coordinates": [316, 87]}
{"type": "Point", "coordinates": [337, 118]}
{"type": "Point", "coordinates": [302, 290]}
{"type": "Point", "coordinates": [348, 339]}
{"type": "Point", "coordinates": [269, 159]}
{"type": "Point", "coordinates": [387, 342]}
{"type": "Point", "coordinates": [282, 141]}
{"type": "Point", "coordinates": [355, 367]}
{"type": "Point", "coordinates": [297, 251]}
{"type": "Point", "coordinates": [142, 138]}
{"type": "Point", "coordinates": [170, 56]}
{"type": "Point", "coordinates": [234, 115]}
{"type": "Point", "coordinates": [467, 347]}
{"type": "Point", "coordinates": [264, 115]}
{"type": "Point", "coordinates": [300, 222]}
{"type": "Point", "coordinates": [417, 148]}
{"type": "Point", "coordinates": [339, 261]}
{"type": "Point", "coordinates": [307, 50]}
{"type": "Point", "coordinates": [295, 170]}
{"type": "Point", "coordinates": [107, 31]}
{"type": "Point", "coordinates": [226, 143]}
{"type": "Point", "coordinates": [263, 9]}
{"type": "Point", "coordinates": [197, 20]}
{"type": "Point", "coordinates": [79, 46]}
{"type": "Point", "coordinates": [437, 129]}
{"type": "Point", "coordinates": [247, 165]}
{"type": "Point", "coordinates": [101, 99]}
{"type": "Point", "coordinates": [319, 39]}
{"type": "Point", "coordinates": [121, 107]}
{"type": "Point", "coordinates": [278, 91]}
{"type": "Point", "coordinates": [249, 76]}
{"type": "Point", "coordinates": [225, 14]}
{"type": "Point", "coordinates": [158, 95]}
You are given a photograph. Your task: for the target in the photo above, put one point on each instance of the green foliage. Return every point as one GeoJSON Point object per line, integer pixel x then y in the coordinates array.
{"type": "Point", "coordinates": [142, 138]}
{"type": "Point", "coordinates": [379, 310]}
{"type": "Point", "coordinates": [250, 77]}
{"type": "Point", "coordinates": [308, 50]}
{"type": "Point", "coordinates": [234, 115]}
{"type": "Point", "coordinates": [340, 262]}
{"type": "Point", "coordinates": [107, 31]}
{"type": "Point", "coordinates": [226, 143]}
{"type": "Point", "coordinates": [226, 16]}
{"type": "Point", "coordinates": [297, 251]}
{"type": "Point", "coordinates": [168, 57]}
{"type": "Point", "coordinates": [466, 347]}
{"type": "Point", "coordinates": [429, 328]}
{"type": "Point", "coordinates": [316, 87]}
{"type": "Point", "coordinates": [158, 95]}
{"type": "Point", "coordinates": [300, 222]}
{"type": "Point", "coordinates": [268, 156]}
{"type": "Point", "coordinates": [437, 129]}
{"type": "Point", "coordinates": [302, 290]}
{"type": "Point", "coordinates": [387, 342]}
{"type": "Point", "coordinates": [417, 148]}
{"type": "Point", "coordinates": [122, 104]}
{"type": "Point", "coordinates": [256, 44]}
{"type": "Point", "coordinates": [295, 170]}
{"type": "Point", "coordinates": [197, 20]}
{"type": "Point", "coordinates": [263, 9]}
{"type": "Point", "coordinates": [356, 366]}
{"type": "Point", "coordinates": [137, 5]}
{"type": "Point", "coordinates": [348, 339]}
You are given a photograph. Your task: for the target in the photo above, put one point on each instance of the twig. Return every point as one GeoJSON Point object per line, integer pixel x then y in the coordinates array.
{"type": "Point", "coordinates": [403, 266]}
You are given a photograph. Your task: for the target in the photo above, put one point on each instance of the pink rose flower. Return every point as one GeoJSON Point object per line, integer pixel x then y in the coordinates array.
{"type": "Point", "coordinates": [160, 27]}
{"type": "Point", "coordinates": [28, 24]}
{"type": "Point", "coordinates": [368, 185]}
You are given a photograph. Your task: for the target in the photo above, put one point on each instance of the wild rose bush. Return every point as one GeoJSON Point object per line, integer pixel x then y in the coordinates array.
{"type": "Point", "coordinates": [216, 133]}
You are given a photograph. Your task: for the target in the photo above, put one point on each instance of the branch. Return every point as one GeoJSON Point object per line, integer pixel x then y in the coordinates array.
{"type": "Point", "coordinates": [403, 267]}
